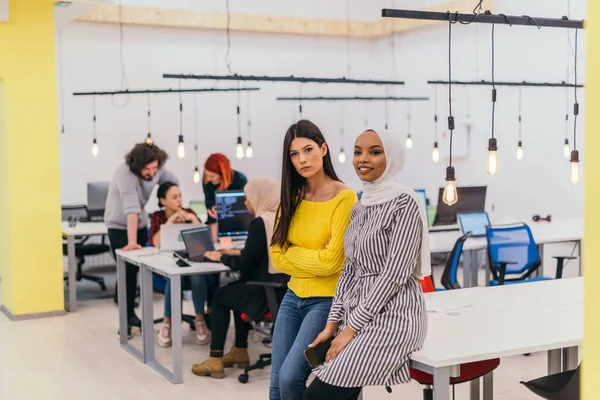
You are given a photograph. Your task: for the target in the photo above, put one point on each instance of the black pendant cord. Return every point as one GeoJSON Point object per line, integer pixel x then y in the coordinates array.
{"type": "Point", "coordinates": [239, 116]}
{"type": "Point", "coordinates": [408, 118]}
{"type": "Point", "coordinates": [180, 111]}
{"type": "Point", "coordinates": [576, 105]}
{"type": "Point", "coordinates": [195, 130]}
{"type": "Point", "coordinates": [249, 118]}
{"type": "Point", "coordinates": [387, 109]}
{"type": "Point", "coordinates": [94, 118]}
{"type": "Point", "coordinates": [149, 116]}
{"type": "Point", "coordinates": [435, 115]}
{"type": "Point", "coordinates": [493, 82]}
{"type": "Point", "coordinates": [300, 102]}
{"type": "Point", "coordinates": [520, 117]}
{"type": "Point", "coordinates": [450, 116]}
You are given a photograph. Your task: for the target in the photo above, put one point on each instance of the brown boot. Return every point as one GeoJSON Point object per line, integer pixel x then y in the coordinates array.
{"type": "Point", "coordinates": [212, 367]}
{"type": "Point", "coordinates": [236, 357]}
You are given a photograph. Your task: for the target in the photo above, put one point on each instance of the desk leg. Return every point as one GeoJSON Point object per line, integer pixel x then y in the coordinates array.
{"type": "Point", "coordinates": [122, 299]}
{"type": "Point", "coordinates": [441, 383]}
{"type": "Point", "coordinates": [71, 279]}
{"type": "Point", "coordinates": [176, 328]}
{"type": "Point", "coordinates": [570, 358]}
{"type": "Point", "coordinates": [147, 313]}
{"type": "Point", "coordinates": [470, 268]}
{"type": "Point", "coordinates": [488, 386]}
{"type": "Point", "coordinates": [554, 361]}
{"type": "Point", "coordinates": [474, 389]}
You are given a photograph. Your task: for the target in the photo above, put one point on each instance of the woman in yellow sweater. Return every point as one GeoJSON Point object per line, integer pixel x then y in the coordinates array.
{"type": "Point", "coordinates": [308, 245]}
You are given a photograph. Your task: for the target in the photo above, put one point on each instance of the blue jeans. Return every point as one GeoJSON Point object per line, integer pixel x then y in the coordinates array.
{"type": "Point", "coordinates": [198, 285]}
{"type": "Point", "coordinates": [298, 323]}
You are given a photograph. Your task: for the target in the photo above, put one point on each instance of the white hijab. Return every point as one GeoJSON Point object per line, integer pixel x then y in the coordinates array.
{"type": "Point", "coordinates": [388, 187]}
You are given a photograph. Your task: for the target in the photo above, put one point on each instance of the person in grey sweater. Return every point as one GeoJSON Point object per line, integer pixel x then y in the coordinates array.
{"type": "Point", "coordinates": [125, 216]}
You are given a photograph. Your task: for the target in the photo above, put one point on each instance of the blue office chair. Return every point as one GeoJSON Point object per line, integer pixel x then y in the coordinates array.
{"type": "Point", "coordinates": [449, 276]}
{"type": "Point", "coordinates": [513, 252]}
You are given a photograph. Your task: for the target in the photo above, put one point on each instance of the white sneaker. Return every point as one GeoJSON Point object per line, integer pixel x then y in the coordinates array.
{"type": "Point", "coordinates": [202, 333]}
{"type": "Point", "coordinates": [164, 336]}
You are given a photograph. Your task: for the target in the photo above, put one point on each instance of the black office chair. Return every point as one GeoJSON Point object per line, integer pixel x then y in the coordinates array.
{"type": "Point", "coordinates": [275, 292]}
{"type": "Point", "coordinates": [83, 249]}
{"type": "Point", "coordinates": [561, 386]}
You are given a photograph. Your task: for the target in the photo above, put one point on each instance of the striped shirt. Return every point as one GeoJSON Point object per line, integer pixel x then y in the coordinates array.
{"type": "Point", "coordinates": [379, 296]}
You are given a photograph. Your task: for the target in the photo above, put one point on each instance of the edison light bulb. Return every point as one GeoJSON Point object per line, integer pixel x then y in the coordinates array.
{"type": "Point", "coordinates": [435, 154]}
{"type": "Point", "coordinates": [567, 149]}
{"type": "Point", "coordinates": [149, 140]}
{"type": "Point", "coordinates": [492, 161]}
{"type": "Point", "coordinates": [239, 149]}
{"type": "Point", "coordinates": [450, 196]}
{"type": "Point", "coordinates": [181, 148]}
{"type": "Point", "coordinates": [342, 156]}
{"type": "Point", "coordinates": [409, 142]}
{"type": "Point", "coordinates": [520, 151]}
{"type": "Point", "coordinates": [196, 175]}
{"type": "Point", "coordinates": [574, 175]}
{"type": "Point", "coordinates": [249, 152]}
{"type": "Point", "coordinates": [94, 148]}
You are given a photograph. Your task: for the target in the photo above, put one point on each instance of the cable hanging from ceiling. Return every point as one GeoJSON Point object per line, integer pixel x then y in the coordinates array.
{"type": "Point", "coordinates": [249, 150]}
{"type": "Point", "coordinates": [342, 154]}
{"type": "Point", "coordinates": [94, 140]}
{"type": "Point", "coordinates": [574, 171]}
{"type": "Point", "coordinates": [239, 147]}
{"type": "Point", "coordinates": [180, 144]}
{"type": "Point", "coordinates": [450, 194]}
{"type": "Point", "coordinates": [409, 140]}
{"type": "Point", "coordinates": [149, 140]}
{"type": "Point", "coordinates": [520, 152]}
{"type": "Point", "coordinates": [196, 174]}
{"type": "Point", "coordinates": [567, 147]}
{"type": "Point", "coordinates": [492, 164]}
{"type": "Point", "coordinates": [435, 153]}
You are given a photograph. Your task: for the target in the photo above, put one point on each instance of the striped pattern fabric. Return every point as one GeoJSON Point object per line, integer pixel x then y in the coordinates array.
{"type": "Point", "coordinates": [379, 296]}
{"type": "Point", "coordinates": [315, 255]}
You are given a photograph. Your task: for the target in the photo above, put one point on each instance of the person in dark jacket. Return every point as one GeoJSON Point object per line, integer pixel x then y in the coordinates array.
{"type": "Point", "coordinates": [254, 264]}
{"type": "Point", "coordinates": [218, 175]}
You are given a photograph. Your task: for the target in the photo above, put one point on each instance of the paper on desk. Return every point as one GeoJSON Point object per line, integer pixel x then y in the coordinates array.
{"type": "Point", "coordinates": [441, 305]}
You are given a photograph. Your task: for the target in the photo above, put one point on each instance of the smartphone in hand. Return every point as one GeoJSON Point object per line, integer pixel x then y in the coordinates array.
{"type": "Point", "coordinates": [316, 355]}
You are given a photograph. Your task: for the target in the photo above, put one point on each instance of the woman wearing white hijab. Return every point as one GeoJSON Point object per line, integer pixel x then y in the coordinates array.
{"type": "Point", "coordinates": [378, 311]}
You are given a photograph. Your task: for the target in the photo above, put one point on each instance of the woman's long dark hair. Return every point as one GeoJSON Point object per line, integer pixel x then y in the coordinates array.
{"type": "Point", "coordinates": [293, 185]}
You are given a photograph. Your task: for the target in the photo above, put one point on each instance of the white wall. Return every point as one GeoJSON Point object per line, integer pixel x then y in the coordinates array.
{"type": "Point", "coordinates": [538, 184]}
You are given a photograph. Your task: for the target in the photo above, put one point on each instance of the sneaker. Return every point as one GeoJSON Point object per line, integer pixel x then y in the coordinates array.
{"type": "Point", "coordinates": [164, 336]}
{"type": "Point", "coordinates": [202, 333]}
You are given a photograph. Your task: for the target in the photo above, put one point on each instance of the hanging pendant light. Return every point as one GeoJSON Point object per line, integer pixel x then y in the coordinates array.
{"type": "Point", "coordinates": [492, 165]}
{"type": "Point", "coordinates": [94, 141]}
{"type": "Point", "coordinates": [196, 176]}
{"type": "Point", "coordinates": [566, 146]}
{"type": "Point", "coordinates": [239, 148]}
{"type": "Point", "coordinates": [149, 140]}
{"type": "Point", "coordinates": [574, 171]}
{"type": "Point", "coordinates": [450, 194]}
{"type": "Point", "coordinates": [435, 154]}
{"type": "Point", "coordinates": [180, 143]}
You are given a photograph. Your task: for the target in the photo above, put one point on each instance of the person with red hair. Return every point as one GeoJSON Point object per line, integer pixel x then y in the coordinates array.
{"type": "Point", "coordinates": [218, 175]}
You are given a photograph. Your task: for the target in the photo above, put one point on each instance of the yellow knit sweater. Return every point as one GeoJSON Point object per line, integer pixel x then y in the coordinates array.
{"type": "Point", "coordinates": [314, 256]}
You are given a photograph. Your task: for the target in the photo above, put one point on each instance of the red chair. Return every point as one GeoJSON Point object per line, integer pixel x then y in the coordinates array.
{"type": "Point", "coordinates": [468, 371]}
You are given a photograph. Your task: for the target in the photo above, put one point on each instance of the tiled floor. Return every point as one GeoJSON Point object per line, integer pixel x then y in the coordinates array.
{"type": "Point", "coordinates": [78, 357]}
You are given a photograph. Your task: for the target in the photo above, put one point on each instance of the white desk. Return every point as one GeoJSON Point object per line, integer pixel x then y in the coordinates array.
{"type": "Point", "coordinates": [500, 322]}
{"type": "Point", "coordinates": [151, 260]}
{"type": "Point", "coordinates": [559, 231]}
{"type": "Point", "coordinates": [70, 232]}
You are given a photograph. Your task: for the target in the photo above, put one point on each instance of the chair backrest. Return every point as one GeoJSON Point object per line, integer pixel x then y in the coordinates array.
{"type": "Point", "coordinates": [514, 244]}
{"type": "Point", "coordinates": [78, 211]}
{"type": "Point", "coordinates": [427, 284]}
{"type": "Point", "coordinates": [449, 276]}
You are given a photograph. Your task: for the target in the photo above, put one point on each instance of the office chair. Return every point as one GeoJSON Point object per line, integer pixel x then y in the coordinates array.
{"type": "Point", "coordinates": [468, 371]}
{"type": "Point", "coordinates": [512, 251]}
{"type": "Point", "coordinates": [274, 292]}
{"type": "Point", "coordinates": [82, 248]}
{"type": "Point", "coordinates": [561, 386]}
{"type": "Point", "coordinates": [449, 276]}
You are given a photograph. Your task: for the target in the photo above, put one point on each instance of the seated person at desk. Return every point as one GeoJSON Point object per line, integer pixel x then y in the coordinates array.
{"type": "Point", "coordinates": [169, 199]}
{"type": "Point", "coordinates": [254, 264]}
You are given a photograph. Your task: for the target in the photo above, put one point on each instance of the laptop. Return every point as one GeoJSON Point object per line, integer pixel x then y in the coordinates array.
{"type": "Point", "coordinates": [197, 242]}
{"type": "Point", "coordinates": [475, 222]}
{"type": "Point", "coordinates": [170, 236]}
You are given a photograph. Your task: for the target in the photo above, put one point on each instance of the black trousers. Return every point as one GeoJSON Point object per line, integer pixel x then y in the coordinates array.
{"type": "Point", "coordinates": [234, 297]}
{"type": "Point", "coordinates": [118, 240]}
{"type": "Point", "coordinates": [319, 390]}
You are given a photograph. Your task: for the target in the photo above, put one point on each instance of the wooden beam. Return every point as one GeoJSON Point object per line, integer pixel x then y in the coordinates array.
{"type": "Point", "coordinates": [197, 19]}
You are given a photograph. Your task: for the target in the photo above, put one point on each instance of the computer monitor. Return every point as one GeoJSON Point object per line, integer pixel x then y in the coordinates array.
{"type": "Point", "coordinates": [199, 207]}
{"type": "Point", "coordinates": [232, 215]}
{"type": "Point", "coordinates": [471, 198]}
{"type": "Point", "coordinates": [97, 192]}
{"type": "Point", "coordinates": [422, 196]}
{"type": "Point", "coordinates": [474, 222]}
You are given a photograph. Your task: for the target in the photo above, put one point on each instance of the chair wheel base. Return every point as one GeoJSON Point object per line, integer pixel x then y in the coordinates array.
{"type": "Point", "coordinates": [243, 378]}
